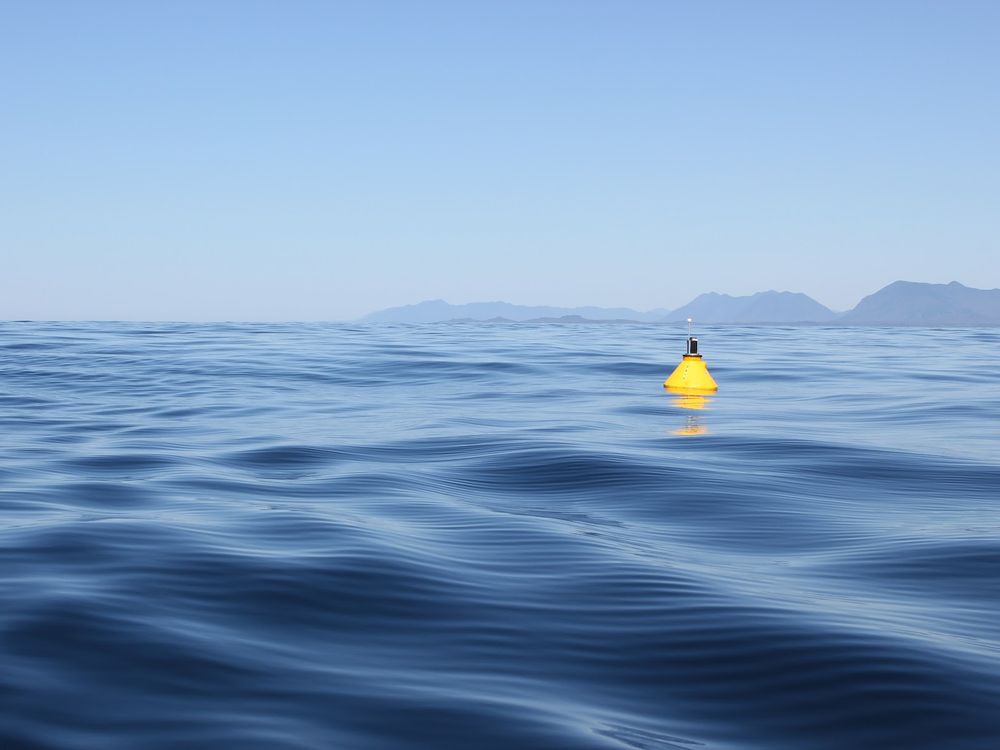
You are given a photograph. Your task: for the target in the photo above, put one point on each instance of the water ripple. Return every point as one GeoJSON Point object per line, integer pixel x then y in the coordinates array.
{"type": "Point", "coordinates": [397, 536]}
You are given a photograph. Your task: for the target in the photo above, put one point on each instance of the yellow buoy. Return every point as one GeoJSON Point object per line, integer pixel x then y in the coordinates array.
{"type": "Point", "coordinates": [691, 375]}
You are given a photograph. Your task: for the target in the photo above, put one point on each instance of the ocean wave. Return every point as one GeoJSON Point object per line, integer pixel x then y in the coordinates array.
{"type": "Point", "coordinates": [314, 536]}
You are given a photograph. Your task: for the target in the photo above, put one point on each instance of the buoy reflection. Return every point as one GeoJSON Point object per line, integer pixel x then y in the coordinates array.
{"type": "Point", "coordinates": [692, 401]}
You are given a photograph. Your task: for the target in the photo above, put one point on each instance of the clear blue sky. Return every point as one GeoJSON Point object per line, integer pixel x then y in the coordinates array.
{"type": "Point", "coordinates": [317, 160]}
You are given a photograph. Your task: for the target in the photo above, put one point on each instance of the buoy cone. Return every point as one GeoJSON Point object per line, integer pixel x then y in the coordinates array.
{"type": "Point", "coordinates": [691, 375]}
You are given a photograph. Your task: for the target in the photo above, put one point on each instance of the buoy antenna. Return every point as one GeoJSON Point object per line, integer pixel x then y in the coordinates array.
{"type": "Point", "coordinates": [692, 342]}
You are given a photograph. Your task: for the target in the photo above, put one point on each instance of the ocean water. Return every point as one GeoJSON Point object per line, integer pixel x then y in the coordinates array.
{"type": "Point", "coordinates": [485, 536]}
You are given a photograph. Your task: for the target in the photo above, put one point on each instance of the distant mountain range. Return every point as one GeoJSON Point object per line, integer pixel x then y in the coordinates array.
{"type": "Point", "coordinates": [437, 310]}
{"type": "Point", "coordinates": [762, 307]}
{"type": "Point", "coordinates": [908, 303]}
{"type": "Point", "coordinates": [899, 303]}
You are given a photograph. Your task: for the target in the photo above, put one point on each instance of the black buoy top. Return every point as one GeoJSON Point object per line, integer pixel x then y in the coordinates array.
{"type": "Point", "coordinates": [692, 350]}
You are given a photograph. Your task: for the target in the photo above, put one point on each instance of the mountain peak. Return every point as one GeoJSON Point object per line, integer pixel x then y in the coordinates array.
{"type": "Point", "coordinates": [761, 307]}
{"type": "Point", "coordinates": [925, 304]}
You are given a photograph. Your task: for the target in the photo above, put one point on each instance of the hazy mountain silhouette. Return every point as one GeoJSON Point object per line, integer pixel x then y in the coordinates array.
{"type": "Point", "coordinates": [899, 303]}
{"type": "Point", "coordinates": [762, 307]}
{"type": "Point", "coordinates": [916, 304]}
{"type": "Point", "coordinates": [434, 311]}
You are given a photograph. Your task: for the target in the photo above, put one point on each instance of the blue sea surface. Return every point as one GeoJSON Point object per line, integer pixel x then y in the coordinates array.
{"type": "Point", "coordinates": [314, 536]}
